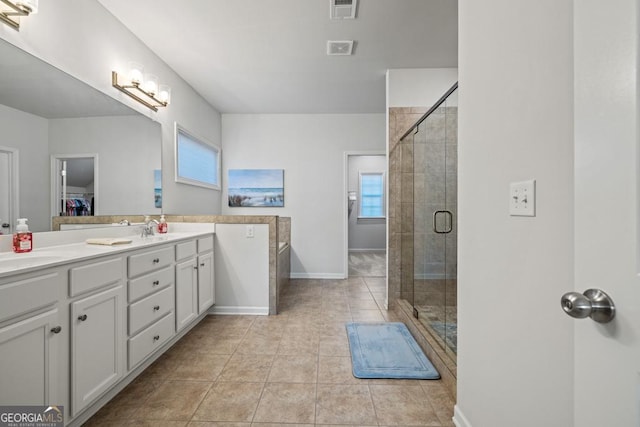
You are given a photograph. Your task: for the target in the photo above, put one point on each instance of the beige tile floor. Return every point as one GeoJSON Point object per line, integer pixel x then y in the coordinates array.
{"type": "Point", "coordinates": [292, 369]}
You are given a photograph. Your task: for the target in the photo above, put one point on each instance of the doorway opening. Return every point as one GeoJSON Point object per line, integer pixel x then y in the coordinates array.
{"type": "Point", "coordinates": [365, 214]}
{"type": "Point", "coordinates": [9, 200]}
{"type": "Point", "coordinates": [74, 179]}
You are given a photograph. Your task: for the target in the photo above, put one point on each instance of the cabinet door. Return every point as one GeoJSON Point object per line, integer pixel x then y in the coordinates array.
{"type": "Point", "coordinates": [28, 351]}
{"type": "Point", "coordinates": [206, 290]}
{"type": "Point", "coordinates": [96, 345]}
{"type": "Point", "coordinates": [186, 293]}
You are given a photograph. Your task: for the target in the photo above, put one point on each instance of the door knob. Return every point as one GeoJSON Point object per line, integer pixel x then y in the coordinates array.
{"type": "Point", "coordinates": [592, 303]}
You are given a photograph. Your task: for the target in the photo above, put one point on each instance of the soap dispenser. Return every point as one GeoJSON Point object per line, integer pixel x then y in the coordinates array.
{"type": "Point", "coordinates": [22, 238]}
{"type": "Point", "coordinates": [163, 227]}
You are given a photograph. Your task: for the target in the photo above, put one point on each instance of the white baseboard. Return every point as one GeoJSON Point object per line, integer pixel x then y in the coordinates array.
{"type": "Point", "coordinates": [232, 310]}
{"type": "Point", "coordinates": [459, 419]}
{"type": "Point", "coordinates": [332, 276]}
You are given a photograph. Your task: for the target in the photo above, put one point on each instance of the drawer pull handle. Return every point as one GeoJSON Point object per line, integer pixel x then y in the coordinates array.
{"type": "Point", "coordinates": [156, 307]}
{"type": "Point", "coordinates": [82, 318]}
{"type": "Point", "coordinates": [156, 260]}
{"type": "Point", "coordinates": [56, 330]}
{"type": "Point", "coordinates": [202, 265]}
{"type": "Point", "coordinates": [156, 337]}
{"type": "Point", "coordinates": [195, 267]}
{"type": "Point", "coordinates": [156, 282]}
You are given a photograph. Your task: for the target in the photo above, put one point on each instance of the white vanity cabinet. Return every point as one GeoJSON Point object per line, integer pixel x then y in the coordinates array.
{"type": "Point", "coordinates": [206, 283]}
{"type": "Point", "coordinates": [151, 296]}
{"type": "Point", "coordinates": [75, 332]}
{"type": "Point", "coordinates": [31, 336]}
{"type": "Point", "coordinates": [195, 286]}
{"type": "Point", "coordinates": [186, 283]}
{"type": "Point", "coordinates": [97, 332]}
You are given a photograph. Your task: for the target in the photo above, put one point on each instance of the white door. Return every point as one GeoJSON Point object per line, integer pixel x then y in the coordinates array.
{"type": "Point", "coordinates": [607, 210]}
{"type": "Point", "coordinates": [97, 342]}
{"type": "Point", "coordinates": [206, 289]}
{"type": "Point", "coordinates": [8, 189]}
{"type": "Point", "coordinates": [186, 293]}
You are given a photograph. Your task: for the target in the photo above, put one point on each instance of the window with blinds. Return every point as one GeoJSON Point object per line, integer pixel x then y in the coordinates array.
{"type": "Point", "coordinates": [371, 195]}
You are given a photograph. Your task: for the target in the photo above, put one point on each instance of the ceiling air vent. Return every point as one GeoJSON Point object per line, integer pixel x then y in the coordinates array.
{"type": "Point", "coordinates": [342, 9]}
{"type": "Point", "coordinates": [342, 47]}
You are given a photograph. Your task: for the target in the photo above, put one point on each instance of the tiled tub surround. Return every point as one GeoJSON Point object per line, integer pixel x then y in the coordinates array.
{"type": "Point", "coordinates": [279, 233]}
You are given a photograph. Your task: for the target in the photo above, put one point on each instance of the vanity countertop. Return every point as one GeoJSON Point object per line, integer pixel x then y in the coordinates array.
{"type": "Point", "coordinates": [57, 248]}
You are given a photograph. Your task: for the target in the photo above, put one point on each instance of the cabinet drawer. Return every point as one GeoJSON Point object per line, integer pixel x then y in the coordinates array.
{"type": "Point", "coordinates": [185, 250]}
{"type": "Point", "coordinates": [149, 261]}
{"type": "Point", "coordinates": [150, 309]}
{"type": "Point", "coordinates": [21, 296]}
{"type": "Point", "coordinates": [94, 276]}
{"type": "Point", "coordinates": [150, 339]}
{"type": "Point", "coordinates": [148, 284]}
{"type": "Point", "coordinates": [205, 244]}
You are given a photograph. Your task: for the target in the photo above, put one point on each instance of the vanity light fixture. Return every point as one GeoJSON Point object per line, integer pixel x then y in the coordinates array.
{"type": "Point", "coordinates": [12, 10]}
{"type": "Point", "coordinates": [142, 87]}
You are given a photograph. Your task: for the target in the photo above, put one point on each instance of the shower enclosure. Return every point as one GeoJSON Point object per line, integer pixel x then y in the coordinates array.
{"type": "Point", "coordinates": [428, 212]}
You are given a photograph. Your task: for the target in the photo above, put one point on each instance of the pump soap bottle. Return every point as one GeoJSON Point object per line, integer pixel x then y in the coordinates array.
{"type": "Point", "coordinates": [163, 227]}
{"type": "Point", "coordinates": [22, 238]}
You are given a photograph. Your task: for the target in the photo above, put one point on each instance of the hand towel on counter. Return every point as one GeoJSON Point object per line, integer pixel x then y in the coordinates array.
{"type": "Point", "coordinates": [108, 241]}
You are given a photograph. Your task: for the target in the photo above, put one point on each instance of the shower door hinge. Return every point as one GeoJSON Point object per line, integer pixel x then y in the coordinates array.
{"type": "Point", "coordinates": [415, 312]}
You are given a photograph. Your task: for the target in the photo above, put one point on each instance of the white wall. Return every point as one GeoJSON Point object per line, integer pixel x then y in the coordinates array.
{"type": "Point", "coordinates": [85, 40]}
{"type": "Point", "coordinates": [310, 148]}
{"type": "Point", "coordinates": [242, 269]}
{"type": "Point", "coordinates": [418, 87]}
{"type": "Point", "coordinates": [29, 134]}
{"type": "Point", "coordinates": [129, 149]}
{"type": "Point", "coordinates": [515, 122]}
{"type": "Point", "coordinates": [365, 234]}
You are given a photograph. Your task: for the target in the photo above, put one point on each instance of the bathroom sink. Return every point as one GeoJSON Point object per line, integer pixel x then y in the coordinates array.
{"type": "Point", "coordinates": [151, 239]}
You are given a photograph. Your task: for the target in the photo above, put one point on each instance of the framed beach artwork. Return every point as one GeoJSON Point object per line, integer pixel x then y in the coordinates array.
{"type": "Point", "coordinates": [256, 188]}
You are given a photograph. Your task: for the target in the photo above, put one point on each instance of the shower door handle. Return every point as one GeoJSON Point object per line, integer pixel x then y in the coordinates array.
{"type": "Point", "coordinates": [435, 222]}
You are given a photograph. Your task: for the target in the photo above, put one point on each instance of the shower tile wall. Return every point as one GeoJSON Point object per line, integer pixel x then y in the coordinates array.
{"type": "Point", "coordinates": [401, 203]}
{"type": "Point", "coordinates": [416, 258]}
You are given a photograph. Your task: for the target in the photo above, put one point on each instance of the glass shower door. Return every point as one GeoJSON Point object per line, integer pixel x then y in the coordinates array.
{"type": "Point", "coordinates": [451, 238]}
{"type": "Point", "coordinates": [435, 228]}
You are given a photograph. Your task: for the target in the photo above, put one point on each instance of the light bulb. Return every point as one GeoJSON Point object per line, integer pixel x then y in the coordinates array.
{"type": "Point", "coordinates": [164, 95]}
{"type": "Point", "coordinates": [31, 6]}
{"type": "Point", "coordinates": [135, 73]}
{"type": "Point", "coordinates": [150, 84]}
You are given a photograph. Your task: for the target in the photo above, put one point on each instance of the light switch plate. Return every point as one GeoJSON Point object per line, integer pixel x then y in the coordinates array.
{"type": "Point", "coordinates": [250, 232]}
{"type": "Point", "coordinates": [522, 198]}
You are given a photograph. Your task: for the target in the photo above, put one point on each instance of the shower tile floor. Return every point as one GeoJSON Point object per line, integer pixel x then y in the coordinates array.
{"type": "Point", "coordinates": [293, 369]}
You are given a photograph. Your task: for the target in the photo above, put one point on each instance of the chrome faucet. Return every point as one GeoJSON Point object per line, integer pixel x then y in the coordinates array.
{"type": "Point", "coordinates": [124, 222]}
{"type": "Point", "coordinates": [147, 229]}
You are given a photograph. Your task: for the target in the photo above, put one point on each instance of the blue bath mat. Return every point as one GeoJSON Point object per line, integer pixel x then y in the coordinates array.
{"type": "Point", "coordinates": [387, 350]}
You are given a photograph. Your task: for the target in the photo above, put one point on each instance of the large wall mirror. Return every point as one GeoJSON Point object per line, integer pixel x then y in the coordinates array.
{"type": "Point", "coordinates": [63, 131]}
